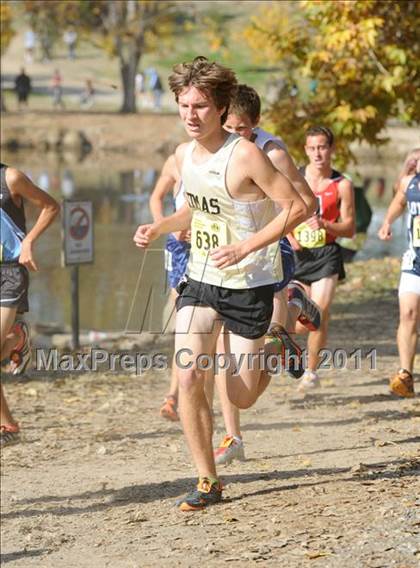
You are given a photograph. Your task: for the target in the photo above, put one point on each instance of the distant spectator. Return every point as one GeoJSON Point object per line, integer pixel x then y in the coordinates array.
{"type": "Point", "coordinates": [57, 89]}
{"type": "Point", "coordinates": [70, 39]}
{"type": "Point", "coordinates": [155, 85]}
{"type": "Point", "coordinates": [378, 189]}
{"type": "Point", "coordinates": [29, 44]}
{"type": "Point", "coordinates": [139, 86]}
{"type": "Point", "coordinates": [22, 88]}
{"type": "Point", "coordinates": [46, 45]}
{"type": "Point", "coordinates": [293, 90]}
{"type": "Point", "coordinates": [67, 184]}
{"type": "Point", "coordinates": [87, 97]}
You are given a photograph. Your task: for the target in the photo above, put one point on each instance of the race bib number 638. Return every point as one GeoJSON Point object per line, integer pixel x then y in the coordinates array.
{"type": "Point", "coordinates": [207, 234]}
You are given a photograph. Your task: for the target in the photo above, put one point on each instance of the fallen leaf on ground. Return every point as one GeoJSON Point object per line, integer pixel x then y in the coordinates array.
{"type": "Point", "coordinates": [316, 554]}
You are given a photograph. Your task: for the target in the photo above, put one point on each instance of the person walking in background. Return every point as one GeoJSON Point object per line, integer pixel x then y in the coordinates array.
{"type": "Point", "coordinates": [140, 87]}
{"type": "Point", "coordinates": [57, 90]}
{"type": "Point", "coordinates": [16, 258]}
{"type": "Point", "coordinates": [407, 196]}
{"type": "Point", "coordinates": [87, 97]}
{"type": "Point", "coordinates": [155, 85]}
{"type": "Point", "coordinates": [29, 45]}
{"type": "Point", "coordinates": [22, 88]}
{"type": "Point", "coordinates": [70, 39]}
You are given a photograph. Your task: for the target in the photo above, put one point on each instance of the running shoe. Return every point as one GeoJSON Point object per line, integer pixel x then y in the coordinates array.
{"type": "Point", "coordinates": [291, 353]}
{"type": "Point", "coordinates": [310, 315]}
{"type": "Point", "coordinates": [230, 449]}
{"type": "Point", "coordinates": [21, 354]}
{"type": "Point", "coordinates": [168, 409]}
{"type": "Point", "coordinates": [9, 434]}
{"type": "Point", "coordinates": [207, 493]}
{"type": "Point", "coordinates": [402, 384]}
{"type": "Point", "coordinates": [310, 380]}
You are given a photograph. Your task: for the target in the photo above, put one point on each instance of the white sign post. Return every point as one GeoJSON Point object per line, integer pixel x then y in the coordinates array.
{"type": "Point", "coordinates": [77, 232]}
{"type": "Point", "coordinates": [77, 249]}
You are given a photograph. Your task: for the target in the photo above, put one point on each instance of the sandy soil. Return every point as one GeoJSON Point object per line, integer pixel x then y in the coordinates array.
{"type": "Point", "coordinates": [331, 478]}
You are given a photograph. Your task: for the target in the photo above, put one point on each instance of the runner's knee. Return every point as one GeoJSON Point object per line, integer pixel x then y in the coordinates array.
{"type": "Point", "coordinates": [190, 379]}
{"type": "Point", "coordinates": [408, 315]}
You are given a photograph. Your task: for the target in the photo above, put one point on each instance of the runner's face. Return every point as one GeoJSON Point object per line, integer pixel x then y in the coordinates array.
{"type": "Point", "coordinates": [198, 112]}
{"type": "Point", "coordinates": [318, 151]}
{"type": "Point", "coordinates": [239, 124]}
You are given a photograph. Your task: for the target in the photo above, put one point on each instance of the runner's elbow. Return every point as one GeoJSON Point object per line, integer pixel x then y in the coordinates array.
{"type": "Point", "coordinates": [300, 211]}
{"type": "Point", "coordinates": [54, 209]}
{"type": "Point", "coordinates": [311, 203]}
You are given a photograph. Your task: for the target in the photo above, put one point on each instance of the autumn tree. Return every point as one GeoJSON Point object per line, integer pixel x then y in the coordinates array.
{"type": "Point", "coordinates": [356, 65]}
{"type": "Point", "coordinates": [48, 19]}
{"type": "Point", "coordinates": [127, 29]}
{"type": "Point", "coordinates": [7, 32]}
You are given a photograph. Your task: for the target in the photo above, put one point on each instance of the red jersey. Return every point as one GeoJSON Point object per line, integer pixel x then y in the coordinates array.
{"type": "Point", "coordinates": [328, 209]}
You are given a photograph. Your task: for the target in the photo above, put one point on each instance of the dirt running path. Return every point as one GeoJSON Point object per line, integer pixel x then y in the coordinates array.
{"type": "Point", "coordinates": [331, 479]}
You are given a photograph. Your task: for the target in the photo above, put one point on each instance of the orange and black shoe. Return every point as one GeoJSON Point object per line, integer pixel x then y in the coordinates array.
{"type": "Point", "coordinates": [207, 493]}
{"type": "Point", "coordinates": [169, 410]}
{"type": "Point", "coordinates": [9, 434]}
{"type": "Point", "coordinates": [402, 384]}
{"type": "Point", "coordinates": [290, 352]}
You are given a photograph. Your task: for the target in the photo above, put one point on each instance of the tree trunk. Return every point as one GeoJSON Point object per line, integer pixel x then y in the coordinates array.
{"type": "Point", "coordinates": [2, 105]}
{"type": "Point", "coordinates": [128, 69]}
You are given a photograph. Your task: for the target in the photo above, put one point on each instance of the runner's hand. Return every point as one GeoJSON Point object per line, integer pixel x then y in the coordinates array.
{"type": "Point", "coordinates": [26, 257]}
{"type": "Point", "coordinates": [144, 235]}
{"type": "Point", "coordinates": [315, 222]}
{"type": "Point", "coordinates": [227, 255]}
{"type": "Point", "coordinates": [184, 235]}
{"type": "Point", "coordinates": [385, 233]}
{"type": "Point", "coordinates": [294, 242]}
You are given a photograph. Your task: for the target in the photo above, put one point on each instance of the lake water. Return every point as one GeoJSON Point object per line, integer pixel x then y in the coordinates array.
{"type": "Point", "coordinates": [111, 296]}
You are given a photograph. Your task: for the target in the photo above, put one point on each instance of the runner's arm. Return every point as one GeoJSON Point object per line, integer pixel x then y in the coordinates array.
{"type": "Point", "coordinates": [167, 180]}
{"type": "Point", "coordinates": [346, 226]}
{"type": "Point", "coordinates": [259, 169]}
{"type": "Point", "coordinates": [179, 221]}
{"type": "Point", "coordinates": [283, 162]}
{"type": "Point", "coordinates": [21, 186]}
{"type": "Point", "coordinates": [395, 210]}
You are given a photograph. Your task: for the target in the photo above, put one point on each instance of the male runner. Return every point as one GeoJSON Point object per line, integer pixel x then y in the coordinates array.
{"type": "Point", "coordinates": [16, 257]}
{"type": "Point", "coordinates": [319, 263]}
{"type": "Point", "coordinates": [408, 194]}
{"type": "Point", "coordinates": [243, 119]}
{"type": "Point", "coordinates": [230, 187]}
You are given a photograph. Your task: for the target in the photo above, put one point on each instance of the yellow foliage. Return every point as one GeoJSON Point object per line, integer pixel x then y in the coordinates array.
{"type": "Point", "coordinates": [7, 31]}
{"type": "Point", "coordinates": [359, 56]}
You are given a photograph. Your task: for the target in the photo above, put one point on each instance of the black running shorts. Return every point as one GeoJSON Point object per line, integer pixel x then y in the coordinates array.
{"type": "Point", "coordinates": [314, 264]}
{"type": "Point", "coordinates": [246, 312]}
{"type": "Point", "coordinates": [14, 286]}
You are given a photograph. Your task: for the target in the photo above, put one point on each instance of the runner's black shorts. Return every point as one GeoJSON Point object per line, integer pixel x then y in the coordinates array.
{"type": "Point", "coordinates": [245, 312]}
{"type": "Point", "coordinates": [313, 264]}
{"type": "Point", "coordinates": [14, 286]}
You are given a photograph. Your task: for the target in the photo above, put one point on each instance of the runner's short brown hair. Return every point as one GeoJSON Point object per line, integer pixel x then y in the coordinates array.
{"type": "Point", "coordinates": [321, 131]}
{"type": "Point", "coordinates": [216, 81]}
{"type": "Point", "coordinates": [246, 101]}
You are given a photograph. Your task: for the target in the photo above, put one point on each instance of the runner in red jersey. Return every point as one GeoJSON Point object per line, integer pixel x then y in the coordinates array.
{"type": "Point", "coordinates": [319, 263]}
